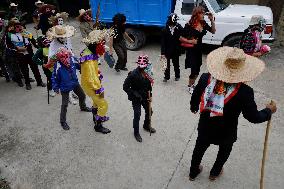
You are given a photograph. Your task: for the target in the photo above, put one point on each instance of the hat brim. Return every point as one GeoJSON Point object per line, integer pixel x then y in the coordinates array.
{"type": "Point", "coordinates": [89, 11]}
{"type": "Point", "coordinates": [70, 31]}
{"type": "Point", "coordinates": [97, 36]}
{"type": "Point", "coordinates": [248, 72]}
{"type": "Point", "coordinates": [45, 6]}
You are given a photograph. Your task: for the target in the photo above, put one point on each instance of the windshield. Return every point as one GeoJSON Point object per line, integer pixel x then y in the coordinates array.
{"type": "Point", "coordinates": [218, 5]}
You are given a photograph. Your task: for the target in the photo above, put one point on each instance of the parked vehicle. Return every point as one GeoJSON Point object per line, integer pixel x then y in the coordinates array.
{"type": "Point", "coordinates": [231, 20]}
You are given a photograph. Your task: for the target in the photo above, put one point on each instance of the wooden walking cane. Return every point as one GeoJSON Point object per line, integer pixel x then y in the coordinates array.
{"type": "Point", "coordinates": [150, 112]}
{"type": "Point", "coordinates": [265, 150]}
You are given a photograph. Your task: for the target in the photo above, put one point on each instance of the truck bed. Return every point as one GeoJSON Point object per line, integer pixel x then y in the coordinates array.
{"type": "Point", "coordinates": [138, 12]}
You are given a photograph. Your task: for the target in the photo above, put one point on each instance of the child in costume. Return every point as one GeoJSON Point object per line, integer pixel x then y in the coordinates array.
{"type": "Point", "coordinates": [58, 39]}
{"type": "Point", "coordinates": [91, 77]}
{"type": "Point", "coordinates": [41, 58]}
{"type": "Point", "coordinates": [138, 86]}
{"type": "Point", "coordinates": [251, 40]}
{"type": "Point", "coordinates": [64, 80]}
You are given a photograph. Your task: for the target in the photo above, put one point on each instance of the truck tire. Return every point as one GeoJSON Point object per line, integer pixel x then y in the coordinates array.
{"type": "Point", "coordinates": [138, 37]}
{"type": "Point", "coordinates": [233, 41]}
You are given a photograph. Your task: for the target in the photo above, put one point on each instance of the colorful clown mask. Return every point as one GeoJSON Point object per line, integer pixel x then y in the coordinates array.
{"type": "Point", "coordinates": [64, 56]}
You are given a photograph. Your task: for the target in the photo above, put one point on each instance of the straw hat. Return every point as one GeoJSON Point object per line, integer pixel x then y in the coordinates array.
{"type": "Point", "coordinates": [38, 2]}
{"type": "Point", "coordinates": [59, 31]}
{"type": "Point", "coordinates": [53, 19]}
{"type": "Point", "coordinates": [83, 11]}
{"type": "Point", "coordinates": [97, 36]}
{"type": "Point", "coordinates": [232, 65]}
{"type": "Point", "coordinates": [13, 5]}
{"type": "Point", "coordinates": [43, 8]}
{"type": "Point", "coordinates": [256, 19]}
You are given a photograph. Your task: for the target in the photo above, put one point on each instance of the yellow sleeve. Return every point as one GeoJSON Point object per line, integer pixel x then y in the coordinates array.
{"type": "Point", "coordinates": [91, 76]}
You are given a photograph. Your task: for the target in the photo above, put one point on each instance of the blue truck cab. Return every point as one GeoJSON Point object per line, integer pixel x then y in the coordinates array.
{"type": "Point", "coordinates": [140, 14]}
{"type": "Point", "coordinates": [148, 16]}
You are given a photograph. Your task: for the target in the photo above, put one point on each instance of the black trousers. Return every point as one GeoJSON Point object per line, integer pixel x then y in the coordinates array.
{"type": "Point", "coordinates": [198, 152]}
{"type": "Point", "coordinates": [24, 61]}
{"type": "Point", "coordinates": [175, 61]}
{"type": "Point", "coordinates": [121, 52]}
{"type": "Point", "coordinates": [65, 100]}
{"type": "Point", "coordinates": [137, 114]}
{"type": "Point", "coordinates": [3, 68]}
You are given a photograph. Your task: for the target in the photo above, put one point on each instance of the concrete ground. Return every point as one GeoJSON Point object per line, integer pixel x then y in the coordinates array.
{"type": "Point", "coordinates": [35, 153]}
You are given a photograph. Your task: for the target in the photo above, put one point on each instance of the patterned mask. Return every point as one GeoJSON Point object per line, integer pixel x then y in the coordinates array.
{"type": "Point", "coordinates": [63, 55]}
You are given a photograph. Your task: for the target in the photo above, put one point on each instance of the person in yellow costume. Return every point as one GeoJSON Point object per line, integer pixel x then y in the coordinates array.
{"type": "Point", "coordinates": [91, 77]}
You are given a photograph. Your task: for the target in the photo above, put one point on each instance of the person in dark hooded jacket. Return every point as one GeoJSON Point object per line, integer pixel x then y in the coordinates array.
{"type": "Point", "coordinates": [138, 86]}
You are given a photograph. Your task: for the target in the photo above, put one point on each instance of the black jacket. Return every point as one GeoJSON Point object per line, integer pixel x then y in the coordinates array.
{"type": "Point", "coordinates": [136, 86]}
{"type": "Point", "coordinates": [223, 129]}
{"type": "Point", "coordinates": [170, 43]}
{"type": "Point", "coordinates": [44, 23]}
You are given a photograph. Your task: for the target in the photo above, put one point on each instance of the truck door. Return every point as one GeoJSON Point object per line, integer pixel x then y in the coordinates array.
{"type": "Point", "coordinates": [184, 9]}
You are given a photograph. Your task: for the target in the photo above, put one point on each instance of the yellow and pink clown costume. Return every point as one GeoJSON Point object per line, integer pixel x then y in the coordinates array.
{"type": "Point", "coordinates": [91, 77]}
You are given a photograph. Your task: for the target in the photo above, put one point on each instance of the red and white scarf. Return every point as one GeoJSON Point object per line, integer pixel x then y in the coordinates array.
{"type": "Point", "coordinates": [216, 95]}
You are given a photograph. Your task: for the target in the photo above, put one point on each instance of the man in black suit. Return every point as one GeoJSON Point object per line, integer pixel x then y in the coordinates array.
{"type": "Point", "coordinates": [222, 95]}
{"type": "Point", "coordinates": [170, 48]}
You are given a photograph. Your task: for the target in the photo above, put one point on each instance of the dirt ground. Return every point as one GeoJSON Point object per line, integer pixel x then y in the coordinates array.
{"type": "Point", "coordinates": [35, 153]}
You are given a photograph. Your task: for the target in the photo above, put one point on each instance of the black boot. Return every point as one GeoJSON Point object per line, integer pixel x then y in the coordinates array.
{"type": "Point", "coordinates": [149, 129]}
{"type": "Point", "coordinates": [28, 86]}
{"type": "Point", "coordinates": [86, 109]}
{"type": "Point", "coordinates": [99, 128]}
{"type": "Point", "coordinates": [138, 137]}
{"type": "Point", "coordinates": [94, 111]}
{"type": "Point", "coordinates": [65, 126]}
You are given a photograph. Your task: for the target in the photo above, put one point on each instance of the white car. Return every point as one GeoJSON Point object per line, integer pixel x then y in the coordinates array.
{"type": "Point", "coordinates": [230, 20]}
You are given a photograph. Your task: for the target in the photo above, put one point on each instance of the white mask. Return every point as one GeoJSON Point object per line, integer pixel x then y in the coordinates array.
{"type": "Point", "coordinates": [60, 21]}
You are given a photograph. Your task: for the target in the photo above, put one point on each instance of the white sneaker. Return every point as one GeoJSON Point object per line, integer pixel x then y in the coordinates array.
{"type": "Point", "coordinates": [191, 89]}
{"type": "Point", "coordinates": [72, 100]}
{"type": "Point", "coordinates": [52, 93]}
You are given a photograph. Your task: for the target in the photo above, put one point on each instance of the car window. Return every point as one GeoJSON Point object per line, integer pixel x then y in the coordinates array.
{"type": "Point", "coordinates": [187, 7]}
{"type": "Point", "coordinates": [215, 5]}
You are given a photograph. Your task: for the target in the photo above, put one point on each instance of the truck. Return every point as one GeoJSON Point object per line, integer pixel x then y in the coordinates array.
{"type": "Point", "coordinates": [144, 16]}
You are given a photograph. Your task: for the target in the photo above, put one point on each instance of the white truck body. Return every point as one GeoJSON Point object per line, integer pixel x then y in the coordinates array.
{"type": "Point", "coordinates": [230, 21]}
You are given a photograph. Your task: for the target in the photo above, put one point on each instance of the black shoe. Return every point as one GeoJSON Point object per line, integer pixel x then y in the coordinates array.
{"type": "Point", "coordinates": [20, 84]}
{"type": "Point", "coordinates": [192, 177]}
{"type": "Point", "coordinates": [165, 80]}
{"type": "Point", "coordinates": [31, 80]}
{"type": "Point", "coordinates": [99, 128]}
{"type": "Point", "coordinates": [150, 129]}
{"type": "Point", "coordinates": [86, 109]}
{"type": "Point", "coordinates": [42, 84]}
{"type": "Point", "coordinates": [94, 112]}
{"type": "Point", "coordinates": [65, 126]}
{"type": "Point", "coordinates": [177, 79]}
{"type": "Point", "coordinates": [8, 79]}
{"type": "Point", "coordinates": [28, 87]}
{"type": "Point", "coordinates": [124, 69]}
{"type": "Point", "coordinates": [117, 70]}
{"type": "Point", "coordinates": [138, 137]}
